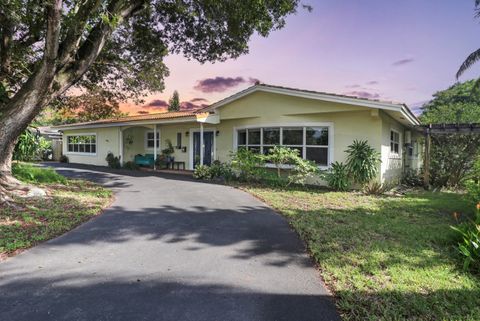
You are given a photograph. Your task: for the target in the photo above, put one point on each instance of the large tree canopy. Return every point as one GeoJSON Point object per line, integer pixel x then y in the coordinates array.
{"type": "Point", "coordinates": [48, 46]}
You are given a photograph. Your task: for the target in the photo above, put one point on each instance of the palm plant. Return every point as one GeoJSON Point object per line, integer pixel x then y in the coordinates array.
{"type": "Point", "coordinates": [474, 56]}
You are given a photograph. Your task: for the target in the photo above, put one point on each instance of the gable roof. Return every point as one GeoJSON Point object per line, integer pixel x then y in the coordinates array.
{"type": "Point", "coordinates": [404, 114]}
{"type": "Point", "coordinates": [318, 95]}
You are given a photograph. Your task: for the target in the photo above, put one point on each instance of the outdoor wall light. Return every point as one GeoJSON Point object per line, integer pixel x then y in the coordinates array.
{"type": "Point", "coordinates": [217, 133]}
{"type": "Point", "coordinates": [187, 133]}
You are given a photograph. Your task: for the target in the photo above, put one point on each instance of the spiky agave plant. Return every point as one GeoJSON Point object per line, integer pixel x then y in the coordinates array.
{"type": "Point", "coordinates": [362, 161]}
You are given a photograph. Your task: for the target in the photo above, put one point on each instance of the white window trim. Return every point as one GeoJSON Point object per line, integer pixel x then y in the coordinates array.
{"type": "Point", "coordinates": [393, 154]}
{"type": "Point", "coordinates": [145, 143]}
{"type": "Point", "coordinates": [81, 153]}
{"type": "Point", "coordinates": [330, 146]}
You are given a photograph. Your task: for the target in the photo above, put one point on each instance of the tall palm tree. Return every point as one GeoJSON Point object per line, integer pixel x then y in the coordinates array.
{"type": "Point", "coordinates": [474, 56]}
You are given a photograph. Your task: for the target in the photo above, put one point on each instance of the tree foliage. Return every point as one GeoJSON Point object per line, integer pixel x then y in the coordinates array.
{"type": "Point", "coordinates": [174, 102]}
{"type": "Point", "coordinates": [52, 48]}
{"type": "Point", "coordinates": [453, 155]}
{"type": "Point", "coordinates": [457, 104]}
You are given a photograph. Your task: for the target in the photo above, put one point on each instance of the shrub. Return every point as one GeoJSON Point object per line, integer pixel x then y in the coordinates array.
{"type": "Point", "coordinates": [64, 159]}
{"type": "Point", "coordinates": [337, 177]}
{"type": "Point", "coordinates": [280, 156]}
{"type": "Point", "coordinates": [113, 161]}
{"type": "Point", "coordinates": [131, 166]}
{"type": "Point", "coordinates": [362, 162]}
{"type": "Point", "coordinates": [453, 158]}
{"type": "Point", "coordinates": [377, 188]}
{"type": "Point", "coordinates": [31, 146]}
{"type": "Point", "coordinates": [469, 245]}
{"type": "Point", "coordinates": [35, 174]}
{"type": "Point", "coordinates": [302, 170]}
{"type": "Point", "coordinates": [248, 166]}
{"type": "Point", "coordinates": [202, 172]}
{"type": "Point", "coordinates": [412, 178]}
{"type": "Point", "coordinates": [473, 190]}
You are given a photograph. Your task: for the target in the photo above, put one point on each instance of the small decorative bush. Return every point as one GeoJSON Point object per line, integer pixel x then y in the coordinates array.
{"type": "Point", "coordinates": [131, 166]}
{"type": "Point", "coordinates": [362, 162]}
{"type": "Point", "coordinates": [64, 159]}
{"type": "Point", "coordinates": [248, 166]}
{"type": "Point", "coordinates": [281, 156]}
{"type": "Point", "coordinates": [113, 161]}
{"type": "Point", "coordinates": [412, 178]}
{"type": "Point", "coordinates": [469, 245]}
{"type": "Point", "coordinates": [337, 177]}
{"type": "Point", "coordinates": [473, 190]}
{"type": "Point", "coordinates": [36, 174]}
{"type": "Point", "coordinates": [302, 170]}
{"type": "Point", "coordinates": [202, 172]}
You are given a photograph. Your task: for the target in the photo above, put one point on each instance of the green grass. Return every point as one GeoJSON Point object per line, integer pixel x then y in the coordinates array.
{"type": "Point", "coordinates": [68, 204]}
{"type": "Point", "coordinates": [388, 258]}
{"type": "Point", "coordinates": [35, 174]}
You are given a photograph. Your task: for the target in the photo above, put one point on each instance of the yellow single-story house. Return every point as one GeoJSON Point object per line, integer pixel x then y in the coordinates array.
{"type": "Point", "coordinates": [320, 125]}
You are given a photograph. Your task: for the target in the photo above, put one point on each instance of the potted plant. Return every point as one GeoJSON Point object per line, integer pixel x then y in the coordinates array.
{"type": "Point", "coordinates": [168, 152]}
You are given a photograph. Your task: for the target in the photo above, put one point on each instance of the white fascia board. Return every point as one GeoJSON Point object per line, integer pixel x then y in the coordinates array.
{"type": "Point", "coordinates": [129, 123]}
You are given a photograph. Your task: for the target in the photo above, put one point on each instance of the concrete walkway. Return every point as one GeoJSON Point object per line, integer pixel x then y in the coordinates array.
{"type": "Point", "coordinates": [169, 248]}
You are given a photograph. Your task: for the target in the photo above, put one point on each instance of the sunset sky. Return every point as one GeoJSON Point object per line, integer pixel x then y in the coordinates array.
{"type": "Point", "coordinates": [390, 50]}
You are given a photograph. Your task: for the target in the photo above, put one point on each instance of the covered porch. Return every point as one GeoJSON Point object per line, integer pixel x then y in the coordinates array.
{"type": "Point", "coordinates": [170, 144]}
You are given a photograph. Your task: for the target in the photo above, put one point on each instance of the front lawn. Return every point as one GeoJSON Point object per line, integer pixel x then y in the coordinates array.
{"type": "Point", "coordinates": [67, 204]}
{"type": "Point", "coordinates": [387, 258]}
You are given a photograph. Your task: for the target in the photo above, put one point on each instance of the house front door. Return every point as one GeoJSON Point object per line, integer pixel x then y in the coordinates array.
{"type": "Point", "coordinates": [208, 149]}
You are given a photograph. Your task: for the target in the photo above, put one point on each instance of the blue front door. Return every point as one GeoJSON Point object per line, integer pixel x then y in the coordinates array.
{"type": "Point", "coordinates": [208, 151]}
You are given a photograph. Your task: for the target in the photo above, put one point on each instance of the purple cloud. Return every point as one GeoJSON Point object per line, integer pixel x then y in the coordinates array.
{"type": "Point", "coordinates": [362, 94]}
{"type": "Point", "coordinates": [197, 100]}
{"type": "Point", "coordinates": [143, 112]}
{"type": "Point", "coordinates": [353, 86]}
{"type": "Point", "coordinates": [156, 104]}
{"type": "Point", "coordinates": [190, 105]}
{"type": "Point", "coordinates": [221, 84]}
{"type": "Point", "coordinates": [373, 82]}
{"type": "Point", "coordinates": [402, 62]}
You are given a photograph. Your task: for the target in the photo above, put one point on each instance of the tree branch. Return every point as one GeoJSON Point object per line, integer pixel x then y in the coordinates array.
{"type": "Point", "coordinates": [93, 45]}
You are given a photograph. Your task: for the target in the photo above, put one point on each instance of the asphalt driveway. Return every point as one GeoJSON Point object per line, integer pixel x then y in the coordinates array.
{"type": "Point", "coordinates": [169, 248]}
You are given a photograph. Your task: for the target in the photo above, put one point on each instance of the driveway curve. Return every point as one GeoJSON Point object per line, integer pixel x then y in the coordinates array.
{"type": "Point", "coordinates": [169, 248]}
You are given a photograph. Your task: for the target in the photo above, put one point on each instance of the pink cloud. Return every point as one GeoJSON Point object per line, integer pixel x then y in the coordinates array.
{"type": "Point", "coordinates": [221, 84]}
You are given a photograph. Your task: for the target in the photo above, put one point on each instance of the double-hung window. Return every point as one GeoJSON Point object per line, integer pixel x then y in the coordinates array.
{"type": "Point", "coordinates": [312, 142]}
{"type": "Point", "coordinates": [149, 141]}
{"type": "Point", "coordinates": [394, 142]}
{"type": "Point", "coordinates": [82, 144]}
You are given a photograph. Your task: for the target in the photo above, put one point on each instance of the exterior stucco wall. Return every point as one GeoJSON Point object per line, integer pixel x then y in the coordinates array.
{"type": "Point", "coordinates": [261, 109]}
{"type": "Point", "coordinates": [107, 141]}
{"type": "Point", "coordinates": [264, 109]}
{"type": "Point", "coordinates": [392, 165]}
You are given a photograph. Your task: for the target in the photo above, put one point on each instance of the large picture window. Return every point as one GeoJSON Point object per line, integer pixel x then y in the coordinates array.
{"type": "Point", "coordinates": [312, 142]}
{"type": "Point", "coordinates": [82, 144]}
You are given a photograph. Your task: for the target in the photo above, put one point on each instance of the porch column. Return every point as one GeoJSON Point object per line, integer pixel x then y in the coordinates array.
{"type": "Point", "coordinates": [120, 138]}
{"type": "Point", "coordinates": [201, 144]}
{"type": "Point", "coordinates": [155, 146]}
